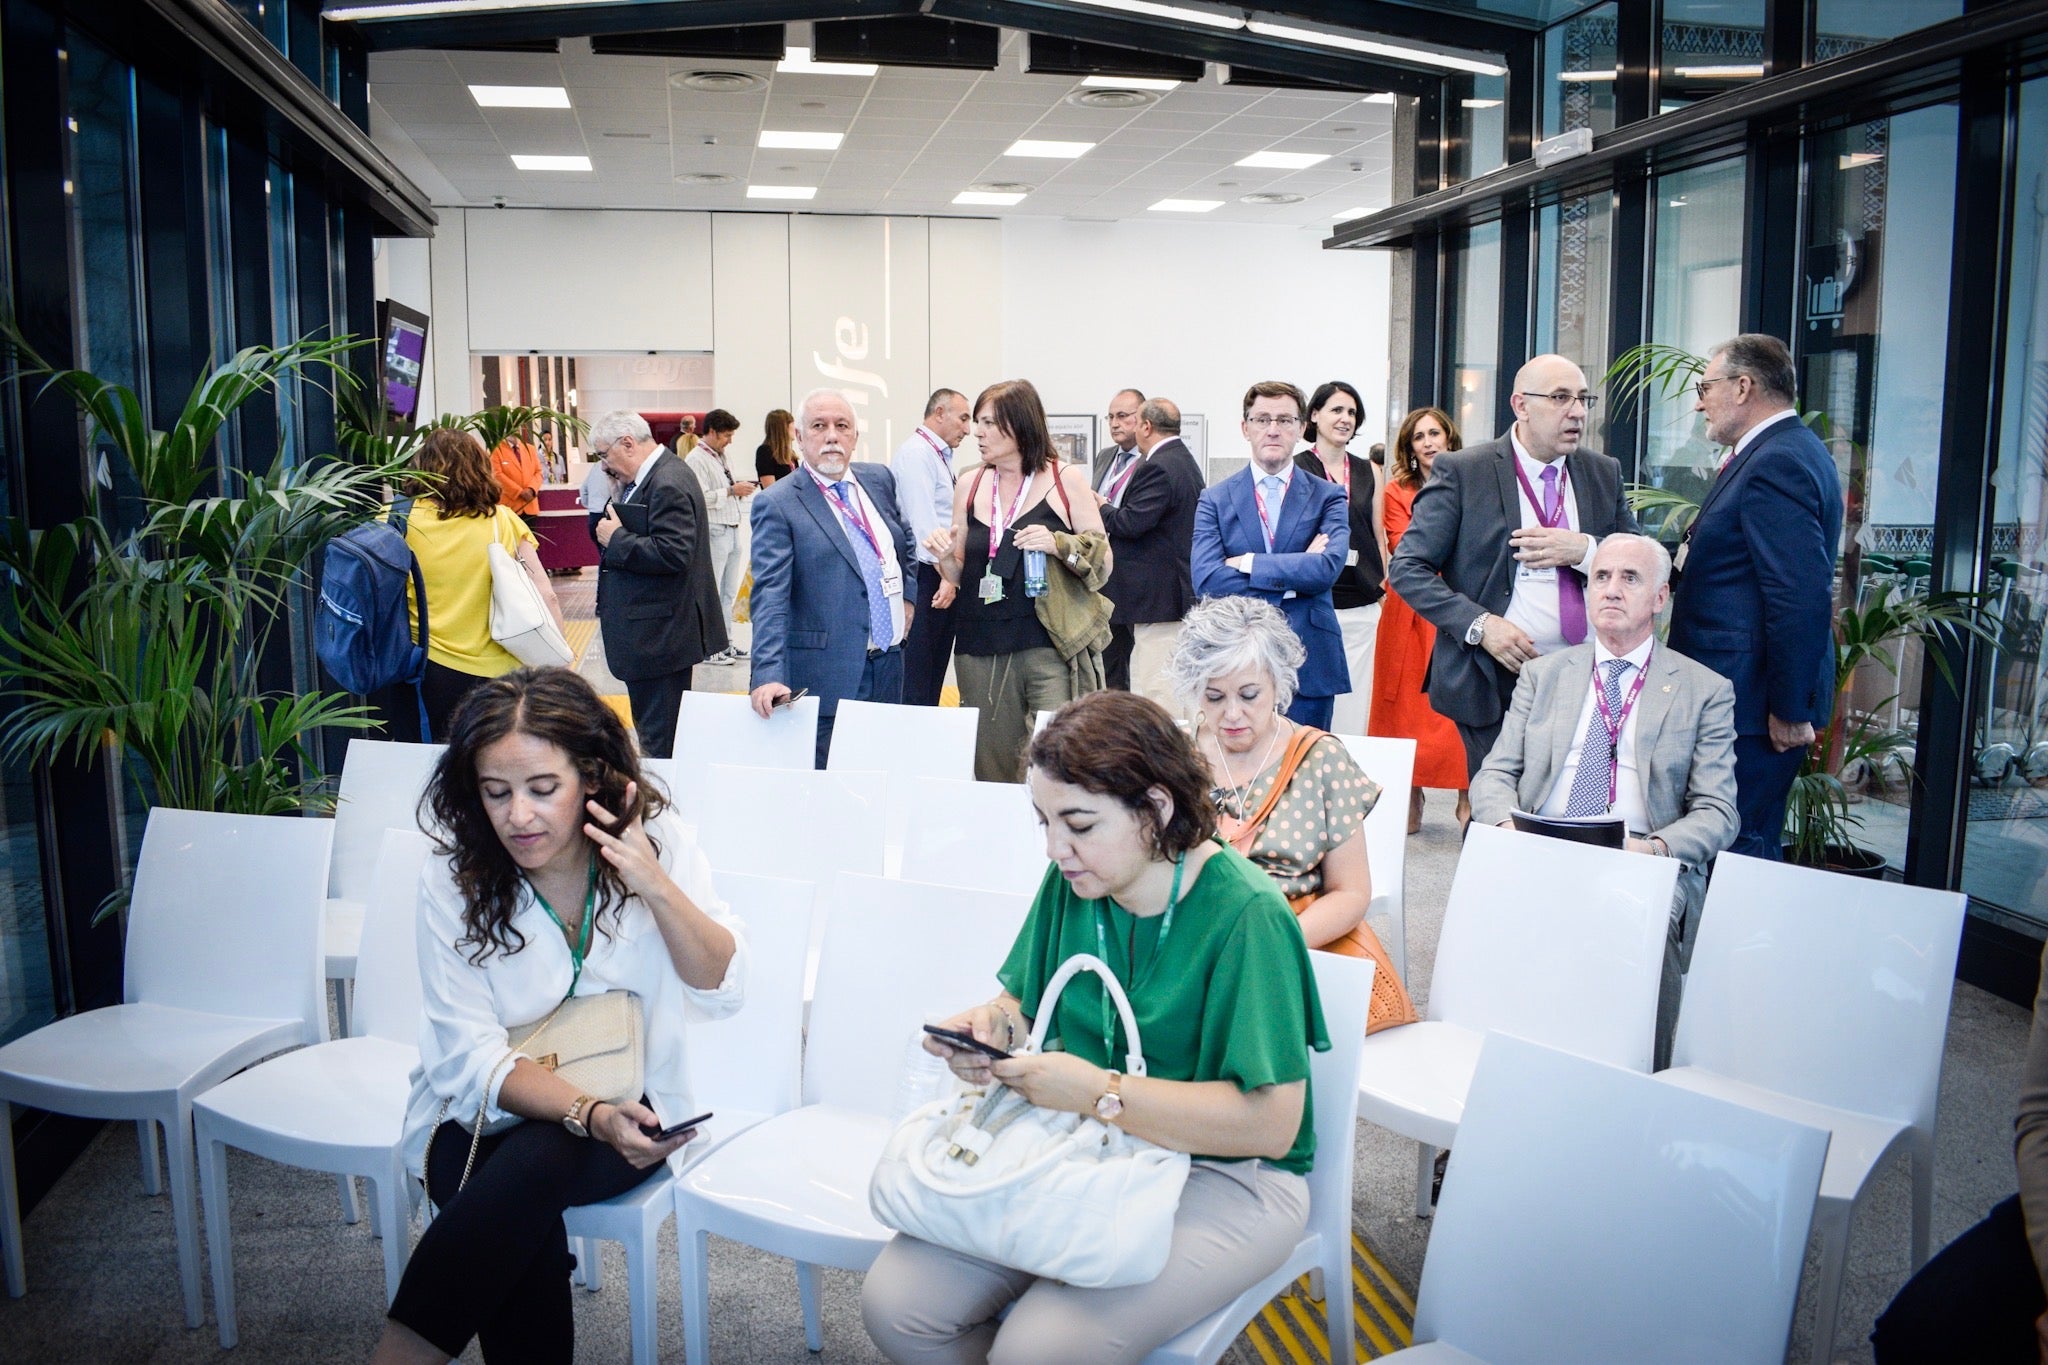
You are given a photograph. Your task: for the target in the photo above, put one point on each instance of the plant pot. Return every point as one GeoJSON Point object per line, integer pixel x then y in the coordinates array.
{"type": "Point", "coordinates": [1848, 859]}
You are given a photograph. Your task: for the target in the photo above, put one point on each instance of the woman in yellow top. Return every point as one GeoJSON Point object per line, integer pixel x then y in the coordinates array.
{"type": "Point", "coordinates": [455, 518]}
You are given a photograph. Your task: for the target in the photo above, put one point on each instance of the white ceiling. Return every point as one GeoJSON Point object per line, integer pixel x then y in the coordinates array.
{"type": "Point", "coordinates": [914, 138]}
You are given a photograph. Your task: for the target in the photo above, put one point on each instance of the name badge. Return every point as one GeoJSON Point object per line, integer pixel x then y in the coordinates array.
{"type": "Point", "coordinates": [892, 582]}
{"type": "Point", "coordinates": [1678, 563]}
{"type": "Point", "coordinates": [1351, 560]}
{"type": "Point", "coordinates": [1527, 573]}
{"type": "Point", "coordinates": [991, 588]}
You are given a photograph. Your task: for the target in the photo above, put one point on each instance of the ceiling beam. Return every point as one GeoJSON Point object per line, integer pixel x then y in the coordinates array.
{"type": "Point", "coordinates": [626, 16]}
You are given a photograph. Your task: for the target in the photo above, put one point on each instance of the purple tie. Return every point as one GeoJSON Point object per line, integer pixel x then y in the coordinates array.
{"type": "Point", "coordinates": [1571, 594]}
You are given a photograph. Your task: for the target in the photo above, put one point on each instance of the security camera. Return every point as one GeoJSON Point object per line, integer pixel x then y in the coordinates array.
{"type": "Point", "coordinates": [498, 202]}
{"type": "Point", "coordinates": [710, 141]}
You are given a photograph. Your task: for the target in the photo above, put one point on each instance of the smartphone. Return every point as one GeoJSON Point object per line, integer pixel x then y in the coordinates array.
{"type": "Point", "coordinates": [790, 698]}
{"type": "Point", "coordinates": [966, 1040]}
{"type": "Point", "coordinates": [677, 1130]}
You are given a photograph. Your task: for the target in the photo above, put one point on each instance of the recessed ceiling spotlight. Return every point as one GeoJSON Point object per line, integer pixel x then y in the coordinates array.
{"type": "Point", "coordinates": [782, 191]}
{"type": "Point", "coordinates": [1112, 99]}
{"type": "Point", "coordinates": [1186, 205]}
{"type": "Point", "coordinates": [705, 178]}
{"type": "Point", "coordinates": [1283, 161]}
{"type": "Point", "coordinates": [803, 142]}
{"type": "Point", "coordinates": [531, 162]}
{"type": "Point", "coordinates": [718, 82]}
{"type": "Point", "coordinates": [797, 62]}
{"type": "Point", "coordinates": [1127, 83]}
{"type": "Point", "coordinates": [1062, 151]}
{"type": "Point", "coordinates": [1270, 197]}
{"type": "Point", "coordinates": [985, 199]}
{"type": "Point", "coordinates": [520, 96]}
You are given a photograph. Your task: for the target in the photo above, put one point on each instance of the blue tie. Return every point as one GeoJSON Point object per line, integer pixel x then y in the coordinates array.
{"type": "Point", "coordinates": [1588, 795]}
{"type": "Point", "coordinates": [881, 622]}
{"type": "Point", "coordinates": [1270, 523]}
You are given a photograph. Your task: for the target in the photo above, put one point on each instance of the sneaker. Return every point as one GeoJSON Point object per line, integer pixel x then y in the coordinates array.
{"type": "Point", "coordinates": [738, 652]}
{"type": "Point", "coordinates": [723, 656]}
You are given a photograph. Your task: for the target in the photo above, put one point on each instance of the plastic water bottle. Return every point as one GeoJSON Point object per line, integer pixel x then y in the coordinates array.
{"type": "Point", "coordinates": [925, 1077]}
{"type": "Point", "coordinates": [1034, 573]}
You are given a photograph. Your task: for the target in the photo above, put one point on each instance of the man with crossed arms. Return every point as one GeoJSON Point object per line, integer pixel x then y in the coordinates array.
{"type": "Point", "coordinates": [1625, 726]}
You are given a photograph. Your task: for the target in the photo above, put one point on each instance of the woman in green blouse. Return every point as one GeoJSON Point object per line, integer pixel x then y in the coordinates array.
{"type": "Point", "coordinates": [1219, 980]}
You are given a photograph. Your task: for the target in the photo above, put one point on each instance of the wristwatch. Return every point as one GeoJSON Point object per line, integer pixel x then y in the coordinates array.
{"type": "Point", "coordinates": [1476, 632]}
{"type": "Point", "coordinates": [573, 1120]}
{"type": "Point", "coordinates": [1109, 1106]}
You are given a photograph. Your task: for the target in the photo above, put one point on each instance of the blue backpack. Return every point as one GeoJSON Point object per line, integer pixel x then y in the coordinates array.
{"type": "Point", "coordinates": [360, 628]}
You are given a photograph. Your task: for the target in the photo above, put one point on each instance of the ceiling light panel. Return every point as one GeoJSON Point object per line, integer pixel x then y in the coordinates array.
{"type": "Point", "coordinates": [1128, 83]}
{"type": "Point", "coordinates": [1373, 47]}
{"type": "Point", "coordinates": [782, 191]}
{"type": "Point", "coordinates": [803, 142]}
{"type": "Point", "coordinates": [530, 162]}
{"type": "Point", "coordinates": [520, 96]}
{"type": "Point", "coordinates": [1184, 14]}
{"type": "Point", "coordinates": [1736, 72]}
{"type": "Point", "coordinates": [1284, 161]}
{"type": "Point", "coordinates": [1062, 151]}
{"type": "Point", "coordinates": [987, 199]}
{"type": "Point", "coordinates": [798, 63]}
{"type": "Point", "coordinates": [1186, 205]}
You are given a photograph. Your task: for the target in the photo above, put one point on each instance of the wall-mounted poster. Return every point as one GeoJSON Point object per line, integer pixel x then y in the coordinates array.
{"type": "Point", "coordinates": [1194, 434]}
{"type": "Point", "coordinates": [1073, 437]}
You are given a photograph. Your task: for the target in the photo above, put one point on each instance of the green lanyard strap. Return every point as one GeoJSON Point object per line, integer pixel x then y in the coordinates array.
{"type": "Point", "coordinates": [582, 944]}
{"type": "Point", "coordinates": [1109, 1020]}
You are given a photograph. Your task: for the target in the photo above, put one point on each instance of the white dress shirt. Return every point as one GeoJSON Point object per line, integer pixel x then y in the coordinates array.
{"type": "Point", "coordinates": [1532, 604]}
{"type": "Point", "coordinates": [892, 572]}
{"type": "Point", "coordinates": [1628, 786]}
{"type": "Point", "coordinates": [1749, 437]}
{"type": "Point", "coordinates": [1119, 475]}
{"type": "Point", "coordinates": [468, 1007]}
{"type": "Point", "coordinates": [924, 487]}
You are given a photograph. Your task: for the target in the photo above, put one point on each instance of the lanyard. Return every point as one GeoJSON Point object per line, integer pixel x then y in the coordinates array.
{"type": "Point", "coordinates": [1259, 497]}
{"type": "Point", "coordinates": [1613, 723]}
{"type": "Point", "coordinates": [1130, 466]}
{"type": "Point", "coordinates": [856, 516]}
{"type": "Point", "coordinates": [938, 448]}
{"type": "Point", "coordinates": [995, 503]}
{"type": "Point", "coordinates": [1344, 481]}
{"type": "Point", "coordinates": [582, 945]}
{"type": "Point", "coordinates": [1543, 517]}
{"type": "Point", "coordinates": [1102, 951]}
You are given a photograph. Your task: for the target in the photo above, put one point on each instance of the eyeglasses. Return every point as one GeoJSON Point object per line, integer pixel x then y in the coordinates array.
{"type": "Point", "coordinates": [1123, 416]}
{"type": "Point", "coordinates": [1701, 387]}
{"type": "Point", "coordinates": [1266, 419]}
{"type": "Point", "coordinates": [1589, 401]}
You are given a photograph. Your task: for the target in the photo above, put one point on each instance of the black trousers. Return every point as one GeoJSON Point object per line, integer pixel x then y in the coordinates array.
{"type": "Point", "coordinates": [881, 679]}
{"type": "Point", "coordinates": [494, 1264]}
{"type": "Point", "coordinates": [655, 703]}
{"type": "Point", "coordinates": [1975, 1301]}
{"type": "Point", "coordinates": [929, 646]}
{"type": "Point", "coordinates": [444, 688]}
{"type": "Point", "coordinates": [1116, 657]}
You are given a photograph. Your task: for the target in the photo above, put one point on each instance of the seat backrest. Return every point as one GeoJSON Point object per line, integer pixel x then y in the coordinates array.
{"type": "Point", "coordinates": [1345, 986]}
{"type": "Point", "coordinates": [381, 782]}
{"type": "Point", "coordinates": [387, 990]}
{"type": "Point", "coordinates": [1594, 1214]}
{"type": "Point", "coordinates": [1554, 941]}
{"type": "Point", "coordinates": [799, 823]}
{"type": "Point", "coordinates": [1391, 763]}
{"type": "Point", "coordinates": [226, 914]}
{"type": "Point", "coordinates": [895, 952]}
{"type": "Point", "coordinates": [904, 741]}
{"type": "Point", "coordinates": [1827, 987]}
{"type": "Point", "coordinates": [983, 834]}
{"type": "Point", "coordinates": [712, 728]}
{"type": "Point", "coordinates": [752, 1060]}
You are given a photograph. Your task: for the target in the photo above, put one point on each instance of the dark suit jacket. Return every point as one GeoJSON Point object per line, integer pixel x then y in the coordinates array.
{"type": "Point", "coordinates": [1151, 536]}
{"type": "Point", "coordinates": [1104, 461]}
{"type": "Point", "coordinates": [1227, 525]}
{"type": "Point", "coordinates": [1755, 599]}
{"type": "Point", "coordinates": [809, 603]}
{"type": "Point", "coordinates": [657, 596]}
{"type": "Point", "coordinates": [1454, 562]}
{"type": "Point", "coordinates": [1363, 583]}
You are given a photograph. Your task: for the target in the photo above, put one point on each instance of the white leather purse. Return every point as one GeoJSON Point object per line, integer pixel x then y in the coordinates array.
{"type": "Point", "coordinates": [1064, 1196]}
{"type": "Point", "coordinates": [519, 618]}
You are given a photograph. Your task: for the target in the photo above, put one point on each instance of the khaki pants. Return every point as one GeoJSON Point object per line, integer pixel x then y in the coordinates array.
{"type": "Point", "coordinates": [1151, 652]}
{"type": "Point", "coordinates": [1236, 1224]}
{"type": "Point", "coordinates": [1361, 627]}
{"type": "Point", "coordinates": [1009, 690]}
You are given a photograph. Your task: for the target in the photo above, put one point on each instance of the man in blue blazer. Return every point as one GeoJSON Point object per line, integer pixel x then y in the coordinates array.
{"type": "Point", "coordinates": [1272, 532]}
{"type": "Point", "coordinates": [836, 625]}
{"type": "Point", "coordinates": [1755, 599]}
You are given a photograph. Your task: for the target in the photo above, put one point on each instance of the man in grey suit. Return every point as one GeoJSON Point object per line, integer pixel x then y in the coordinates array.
{"type": "Point", "coordinates": [1502, 537]}
{"type": "Point", "coordinates": [657, 597]}
{"type": "Point", "coordinates": [1623, 726]}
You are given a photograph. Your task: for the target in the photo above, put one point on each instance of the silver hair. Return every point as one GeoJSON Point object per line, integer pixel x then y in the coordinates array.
{"type": "Point", "coordinates": [804, 404]}
{"type": "Point", "coordinates": [1221, 635]}
{"type": "Point", "coordinates": [1658, 553]}
{"type": "Point", "coordinates": [608, 430]}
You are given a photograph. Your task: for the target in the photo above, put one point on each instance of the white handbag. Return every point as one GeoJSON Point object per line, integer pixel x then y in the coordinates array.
{"type": "Point", "coordinates": [1064, 1196]}
{"type": "Point", "coordinates": [519, 618]}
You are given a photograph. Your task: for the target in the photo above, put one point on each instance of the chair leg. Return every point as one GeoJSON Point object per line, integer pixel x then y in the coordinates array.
{"type": "Point", "coordinates": [351, 1211]}
{"type": "Point", "coordinates": [1397, 920]}
{"type": "Point", "coordinates": [185, 1209]}
{"type": "Point", "coordinates": [1923, 1199]}
{"type": "Point", "coordinates": [344, 990]}
{"type": "Point", "coordinates": [10, 1207]}
{"type": "Point", "coordinates": [693, 1248]}
{"type": "Point", "coordinates": [145, 1138]}
{"type": "Point", "coordinates": [589, 1263]}
{"type": "Point", "coordinates": [1425, 1173]}
{"type": "Point", "coordinates": [807, 1296]}
{"type": "Point", "coordinates": [387, 1197]}
{"type": "Point", "coordinates": [640, 1291]}
{"type": "Point", "coordinates": [1831, 1224]}
{"type": "Point", "coordinates": [220, 1246]}
{"type": "Point", "coordinates": [1335, 1277]}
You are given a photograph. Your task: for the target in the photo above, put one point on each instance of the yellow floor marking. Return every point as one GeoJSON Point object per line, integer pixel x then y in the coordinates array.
{"type": "Point", "coordinates": [1274, 1319]}
{"type": "Point", "coordinates": [1366, 1324]}
{"type": "Point", "coordinates": [949, 696]}
{"type": "Point", "coordinates": [1385, 1277]}
{"type": "Point", "coordinates": [1258, 1341]}
{"type": "Point", "coordinates": [622, 705]}
{"type": "Point", "coordinates": [1311, 1328]}
{"type": "Point", "coordinates": [579, 634]}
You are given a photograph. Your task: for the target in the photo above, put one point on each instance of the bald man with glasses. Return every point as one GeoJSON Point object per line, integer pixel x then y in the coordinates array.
{"type": "Point", "coordinates": [1502, 539]}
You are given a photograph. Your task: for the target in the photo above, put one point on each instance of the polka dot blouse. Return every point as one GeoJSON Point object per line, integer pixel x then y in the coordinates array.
{"type": "Point", "coordinates": [1323, 806]}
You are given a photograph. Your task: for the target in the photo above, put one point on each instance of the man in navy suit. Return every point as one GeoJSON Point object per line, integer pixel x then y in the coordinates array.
{"type": "Point", "coordinates": [1755, 598]}
{"type": "Point", "coordinates": [1269, 531]}
{"type": "Point", "coordinates": [835, 626]}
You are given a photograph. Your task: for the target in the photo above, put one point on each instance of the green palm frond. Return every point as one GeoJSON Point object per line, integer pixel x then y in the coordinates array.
{"type": "Point", "coordinates": [1652, 369]}
{"type": "Point", "coordinates": [495, 426]}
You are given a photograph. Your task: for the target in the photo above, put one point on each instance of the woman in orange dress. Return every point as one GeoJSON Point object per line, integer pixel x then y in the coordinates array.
{"type": "Point", "coordinates": [1400, 708]}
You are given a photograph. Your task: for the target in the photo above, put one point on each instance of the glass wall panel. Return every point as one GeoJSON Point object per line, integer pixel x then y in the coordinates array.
{"type": "Point", "coordinates": [2005, 850]}
{"type": "Point", "coordinates": [27, 999]}
{"type": "Point", "coordinates": [1569, 310]}
{"type": "Point", "coordinates": [1872, 352]}
{"type": "Point", "coordinates": [1695, 302]}
{"type": "Point", "coordinates": [1845, 25]}
{"type": "Point", "coordinates": [1478, 128]}
{"type": "Point", "coordinates": [1474, 330]}
{"type": "Point", "coordinates": [1706, 47]}
{"type": "Point", "coordinates": [1578, 73]}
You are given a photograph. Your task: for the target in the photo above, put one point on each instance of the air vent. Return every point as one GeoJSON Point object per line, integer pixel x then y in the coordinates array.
{"type": "Point", "coordinates": [1119, 98]}
{"type": "Point", "coordinates": [718, 82]}
{"type": "Point", "coordinates": [629, 137]}
{"type": "Point", "coordinates": [1270, 198]}
{"type": "Point", "coordinates": [1001, 187]}
{"type": "Point", "coordinates": [704, 178]}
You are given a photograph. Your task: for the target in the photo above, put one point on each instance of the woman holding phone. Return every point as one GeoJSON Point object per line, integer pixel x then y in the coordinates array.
{"type": "Point", "coordinates": [561, 873]}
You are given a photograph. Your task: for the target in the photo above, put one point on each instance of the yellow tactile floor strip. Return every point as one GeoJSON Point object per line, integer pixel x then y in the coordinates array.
{"type": "Point", "coordinates": [579, 635]}
{"type": "Point", "coordinates": [1291, 1328]}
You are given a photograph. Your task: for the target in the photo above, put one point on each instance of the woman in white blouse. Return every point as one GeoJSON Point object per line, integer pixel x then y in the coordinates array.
{"type": "Point", "coordinates": [562, 873]}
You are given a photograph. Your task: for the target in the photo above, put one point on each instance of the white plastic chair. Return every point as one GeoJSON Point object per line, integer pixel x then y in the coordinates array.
{"type": "Point", "coordinates": [712, 728]}
{"type": "Point", "coordinates": [982, 834]}
{"type": "Point", "coordinates": [381, 783]}
{"type": "Point", "coordinates": [1324, 1252]}
{"type": "Point", "coordinates": [1553, 941]}
{"type": "Point", "coordinates": [1825, 1000]}
{"type": "Point", "coordinates": [743, 1068]}
{"type": "Point", "coordinates": [1391, 763]}
{"type": "Point", "coordinates": [1592, 1214]}
{"type": "Point", "coordinates": [797, 1185]}
{"type": "Point", "coordinates": [906, 742]}
{"type": "Point", "coordinates": [222, 967]}
{"type": "Point", "coordinates": [337, 1106]}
